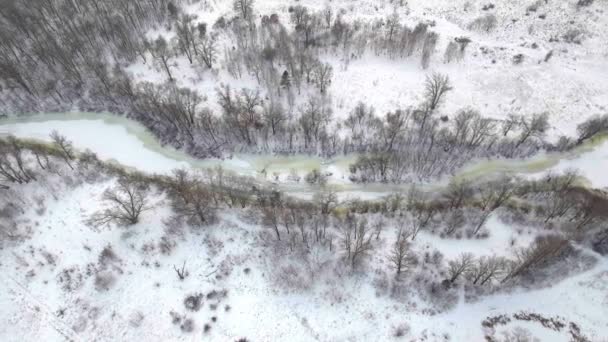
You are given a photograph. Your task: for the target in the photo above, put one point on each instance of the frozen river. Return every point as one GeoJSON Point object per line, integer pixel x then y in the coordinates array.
{"type": "Point", "coordinates": [125, 141]}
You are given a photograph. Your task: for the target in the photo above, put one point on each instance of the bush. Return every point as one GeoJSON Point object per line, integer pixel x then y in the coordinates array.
{"type": "Point", "coordinates": [193, 302]}
{"type": "Point", "coordinates": [315, 177]}
{"type": "Point", "coordinates": [401, 330]}
{"type": "Point", "coordinates": [584, 3]}
{"type": "Point", "coordinates": [107, 256]}
{"type": "Point", "coordinates": [104, 281]}
{"type": "Point", "coordinates": [70, 279]}
{"type": "Point", "coordinates": [187, 326]}
{"type": "Point", "coordinates": [573, 36]}
{"type": "Point", "coordinates": [486, 23]}
{"type": "Point", "coordinates": [535, 6]}
{"type": "Point", "coordinates": [518, 59]}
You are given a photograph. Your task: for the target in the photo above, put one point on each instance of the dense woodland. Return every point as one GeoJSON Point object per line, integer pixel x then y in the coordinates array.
{"type": "Point", "coordinates": [60, 55]}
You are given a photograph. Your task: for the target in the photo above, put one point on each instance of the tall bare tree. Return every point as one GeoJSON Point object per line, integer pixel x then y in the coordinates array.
{"type": "Point", "coordinates": [126, 201]}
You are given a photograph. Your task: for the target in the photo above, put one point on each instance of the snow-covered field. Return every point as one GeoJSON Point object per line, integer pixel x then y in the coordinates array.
{"type": "Point", "coordinates": [334, 304]}
{"type": "Point", "coordinates": [40, 303]}
{"type": "Point", "coordinates": [64, 279]}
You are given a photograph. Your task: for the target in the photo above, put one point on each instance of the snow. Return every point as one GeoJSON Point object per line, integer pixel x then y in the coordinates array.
{"type": "Point", "coordinates": [342, 307]}
{"type": "Point", "coordinates": [339, 306]}
{"type": "Point", "coordinates": [498, 243]}
{"type": "Point", "coordinates": [570, 87]}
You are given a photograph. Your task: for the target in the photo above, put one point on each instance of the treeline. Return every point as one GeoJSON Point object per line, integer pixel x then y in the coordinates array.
{"type": "Point", "coordinates": [62, 51]}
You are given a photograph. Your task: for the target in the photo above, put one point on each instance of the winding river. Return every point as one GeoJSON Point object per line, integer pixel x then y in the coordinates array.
{"type": "Point", "coordinates": [125, 141]}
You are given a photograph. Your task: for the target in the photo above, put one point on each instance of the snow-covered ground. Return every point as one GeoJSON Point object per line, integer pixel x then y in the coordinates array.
{"type": "Point", "coordinates": [66, 280]}
{"type": "Point", "coordinates": [571, 86]}
{"type": "Point", "coordinates": [39, 303]}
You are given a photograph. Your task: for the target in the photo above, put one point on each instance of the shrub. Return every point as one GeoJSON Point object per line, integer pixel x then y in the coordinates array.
{"type": "Point", "coordinates": [584, 3]}
{"type": "Point", "coordinates": [518, 59]}
{"type": "Point", "coordinates": [104, 281]}
{"type": "Point", "coordinates": [70, 279]}
{"type": "Point", "coordinates": [401, 330]}
{"type": "Point", "coordinates": [573, 36]}
{"type": "Point", "coordinates": [485, 23]}
{"type": "Point", "coordinates": [187, 325]}
{"type": "Point", "coordinates": [193, 302]}
{"type": "Point", "coordinates": [107, 256]}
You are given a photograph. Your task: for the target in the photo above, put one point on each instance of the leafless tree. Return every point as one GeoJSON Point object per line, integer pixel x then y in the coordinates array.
{"type": "Point", "coordinates": [271, 219]}
{"type": "Point", "coordinates": [586, 212]}
{"type": "Point", "coordinates": [326, 201]}
{"type": "Point", "coordinates": [208, 50]}
{"type": "Point", "coordinates": [486, 269]}
{"type": "Point", "coordinates": [163, 55]}
{"type": "Point", "coordinates": [422, 214]}
{"type": "Point", "coordinates": [191, 198]}
{"type": "Point", "coordinates": [512, 121]}
{"type": "Point", "coordinates": [356, 239]}
{"type": "Point", "coordinates": [244, 8]}
{"type": "Point", "coordinates": [185, 32]}
{"type": "Point", "coordinates": [460, 266]}
{"type": "Point", "coordinates": [485, 23]}
{"type": "Point", "coordinates": [457, 192]}
{"type": "Point", "coordinates": [64, 146]}
{"type": "Point", "coordinates": [436, 86]}
{"type": "Point", "coordinates": [182, 273]}
{"type": "Point", "coordinates": [322, 75]}
{"type": "Point", "coordinates": [591, 127]}
{"type": "Point", "coordinates": [542, 250]}
{"type": "Point", "coordinates": [400, 255]}
{"type": "Point", "coordinates": [559, 199]}
{"type": "Point", "coordinates": [13, 166]}
{"type": "Point", "coordinates": [536, 127]}
{"type": "Point", "coordinates": [453, 220]}
{"type": "Point", "coordinates": [127, 200]}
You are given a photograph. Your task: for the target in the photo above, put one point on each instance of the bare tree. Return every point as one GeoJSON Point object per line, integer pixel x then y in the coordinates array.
{"type": "Point", "coordinates": [486, 269]}
{"type": "Point", "coordinates": [356, 239]}
{"type": "Point", "coordinates": [543, 249]}
{"type": "Point", "coordinates": [536, 126]}
{"type": "Point", "coordinates": [326, 201]}
{"type": "Point", "coordinates": [64, 146]}
{"type": "Point", "coordinates": [460, 266]}
{"type": "Point", "coordinates": [185, 32]}
{"type": "Point", "coordinates": [512, 121]}
{"type": "Point", "coordinates": [244, 8]}
{"type": "Point", "coordinates": [270, 219]}
{"type": "Point", "coordinates": [458, 191]}
{"type": "Point", "coordinates": [127, 200]}
{"type": "Point", "coordinates": [435, 87]}
{"type": "Point", "coordinates": [191, 198]}
{"type": "Point", "coordinates": [182, 273]}
{"type": "Point", "coordinates": [400, 255]}
{"type": "Point", "coordinates": [162, 54]}
{"type": "Point", "coordinates": [591, 127]}
{"type": "Point", "coordinates": [559, 200]}
{"type": "Point", "coordinates": [13, 166]}
{"type": "Point", "coordinates": [208, 50]}
{"type": "Point", "coordinates": [422, 213]}
{"type": "Point", "coordinates": [322, 74]}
